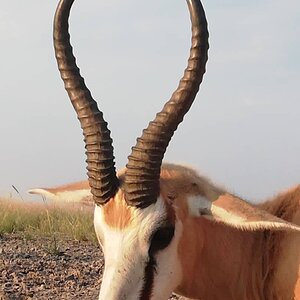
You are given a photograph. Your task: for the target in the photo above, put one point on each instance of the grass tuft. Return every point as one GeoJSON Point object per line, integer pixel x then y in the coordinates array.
{"type": "Point", "coordinates": [53, 220]}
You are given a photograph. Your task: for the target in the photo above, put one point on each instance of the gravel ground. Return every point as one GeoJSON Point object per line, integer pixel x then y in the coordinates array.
{"type": "Point", "coordinates": [40, 269]}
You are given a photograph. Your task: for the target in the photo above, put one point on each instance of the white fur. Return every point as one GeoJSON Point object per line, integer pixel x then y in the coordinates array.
{"type": "Point", "coordinates": [199, 206]}
{"type": "Point", "coordinates": [124, 260]}
{"type": "Point", "coordinates": [126, 255]}
{"type": "Point", "coordinates": [234, 220]}
{"type": "Point", "coordinates": [64, 196]}
{"type": "Point", "coordinates": [169, 270]}
{"type": "Point", "coordinates": [223, 215]}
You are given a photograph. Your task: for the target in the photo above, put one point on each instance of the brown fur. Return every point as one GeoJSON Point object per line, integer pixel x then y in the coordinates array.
{"type": "Point", "coordinates": [221, 262]}
{"type": "Point", "coordinates": [175, 182]}
{"type": "Point", "coordinates": [81, 185]}
{"type": "Point", "coordinates": [284, 260]}
{"type": "Point", "coordinates": [117, 213]}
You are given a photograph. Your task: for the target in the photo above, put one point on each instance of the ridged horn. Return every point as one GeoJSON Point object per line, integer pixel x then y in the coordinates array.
{"type": "Point", "coordinates": [98, 143]}
{"type": "Point", "coordinates": [144, 163]}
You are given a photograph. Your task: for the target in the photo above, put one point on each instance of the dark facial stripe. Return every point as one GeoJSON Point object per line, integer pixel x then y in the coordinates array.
{"type": "Point", "coordinates": [149, 272]}
{"type": "Point", "coordinates": [160, 239]}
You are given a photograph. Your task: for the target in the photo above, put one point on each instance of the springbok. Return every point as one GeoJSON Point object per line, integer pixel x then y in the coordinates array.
{"type": "Point", "coordinates": [78, 192]}
{"type": "Point", "coordinates": [164, 228]}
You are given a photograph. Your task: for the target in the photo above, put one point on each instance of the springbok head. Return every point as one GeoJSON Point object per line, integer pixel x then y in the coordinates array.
{"type": "Point", "coordinates": [131, 219]}
{"type": "Point", "coordinates": [140, 212]}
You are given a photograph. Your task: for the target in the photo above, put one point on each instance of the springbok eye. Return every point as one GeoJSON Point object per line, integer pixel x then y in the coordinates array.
{"type": "Point", "coordinates": [161, 239]}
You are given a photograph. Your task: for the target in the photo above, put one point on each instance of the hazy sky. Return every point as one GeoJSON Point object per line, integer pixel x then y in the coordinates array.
{"type": "Point", "coordinates": [242, 131]}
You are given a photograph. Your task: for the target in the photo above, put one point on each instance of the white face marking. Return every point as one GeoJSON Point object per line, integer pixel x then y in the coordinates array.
{"type": "Point", "coordinates": [169, 271]}
{"type": "Point", "coordinates": [126, 255]}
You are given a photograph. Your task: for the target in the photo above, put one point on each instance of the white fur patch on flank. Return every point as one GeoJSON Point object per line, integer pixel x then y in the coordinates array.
{"type": "Point", "coordinates": [73, 196]}
{"type": "Point", "coordinates": [64, 196]}
{"type": "Point", "coordinates": [41, 192]}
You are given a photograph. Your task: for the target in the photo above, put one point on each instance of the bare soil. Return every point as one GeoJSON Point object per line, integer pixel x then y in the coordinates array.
{"type": "Point", "coordinates": [45, 268]}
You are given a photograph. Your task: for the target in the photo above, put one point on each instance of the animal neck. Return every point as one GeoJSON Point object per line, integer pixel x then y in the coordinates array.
{"type": "Point", "coordinates": [225, 270]}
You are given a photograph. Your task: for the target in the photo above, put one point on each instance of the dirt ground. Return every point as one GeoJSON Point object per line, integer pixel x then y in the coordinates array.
{"type": "Point", "coordinates": [48, 269]}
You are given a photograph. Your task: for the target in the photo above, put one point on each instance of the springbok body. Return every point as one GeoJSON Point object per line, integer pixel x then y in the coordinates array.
{"type": "Point", "coordinates": [78, 192]}
{"type": "Point", "coordinates": [164, 228]}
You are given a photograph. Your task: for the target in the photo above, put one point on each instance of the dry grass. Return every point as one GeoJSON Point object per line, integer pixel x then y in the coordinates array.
{"type": "Point", "coordinates": [47, 220]}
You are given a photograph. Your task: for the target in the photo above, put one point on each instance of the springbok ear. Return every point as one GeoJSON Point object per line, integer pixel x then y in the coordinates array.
{"type": "Point", "coordinates": [237, 213]}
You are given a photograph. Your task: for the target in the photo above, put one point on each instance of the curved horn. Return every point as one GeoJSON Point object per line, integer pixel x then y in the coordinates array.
{"type": "Point", "coordinates": [98, 143]}
{"type": "Point", "coordinates": [144, 163]}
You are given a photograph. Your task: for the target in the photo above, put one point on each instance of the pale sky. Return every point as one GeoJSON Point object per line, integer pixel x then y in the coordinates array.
{"type": "Point", "coordinates": [242, 131]}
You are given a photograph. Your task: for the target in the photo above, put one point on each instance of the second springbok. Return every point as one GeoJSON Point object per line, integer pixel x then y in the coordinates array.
{"type": "Point", "coordinates": [77, 192]}
{"type": "Point", "coordinates": [162, 227]}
